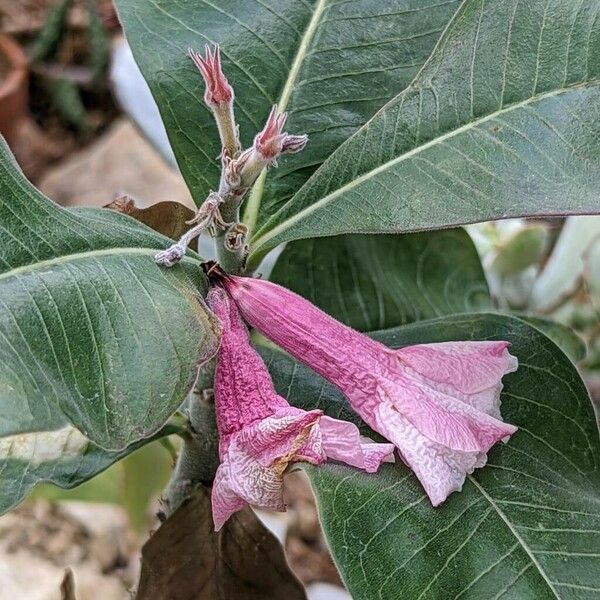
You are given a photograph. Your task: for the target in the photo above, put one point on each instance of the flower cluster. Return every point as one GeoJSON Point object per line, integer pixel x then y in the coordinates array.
{"type": "Point", "coordinates": [439, 404]}
{"type": "Point", "coordinates": [260, 434]}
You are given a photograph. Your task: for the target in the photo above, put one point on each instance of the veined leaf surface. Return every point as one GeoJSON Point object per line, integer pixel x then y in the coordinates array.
{"type": "Point", "coordinates": [379, 281]}
{"type": "Point", "coordinates": [329, 64]}
{"type": "Point", "coordinates": [502, 121]}
{"type": "Point", "coordinates": [92, 331]}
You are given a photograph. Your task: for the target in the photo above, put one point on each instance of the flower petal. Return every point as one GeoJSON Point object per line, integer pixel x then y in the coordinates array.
{"type": "Point", "coordinates": [341, 441]}
{"type": "Point", "coordinates": [440, 470]}
{"type": "Point", "coordinates": [224, 500]}
{"type": "Point", "coordinates": [443, 418]}
{"type": "Point", "coordinates": [251, 470]}
{"type": "Point", "coordinates": [469, 371]}
{"type": "Point", "coordinates": [275, 437]}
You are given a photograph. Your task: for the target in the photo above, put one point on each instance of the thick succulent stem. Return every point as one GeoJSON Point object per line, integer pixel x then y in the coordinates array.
{"type": "Point", "coordinates": [198, 458]}
{"type": "Point", "coordinates": [231, 244]}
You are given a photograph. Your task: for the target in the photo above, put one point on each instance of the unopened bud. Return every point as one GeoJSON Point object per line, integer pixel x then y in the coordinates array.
{"type": "Point", "coordinates": [218, 97]}
{"type": "Point", "coordinates": [268, 145]}
{"type": "Point", "coordinates": [293, 143]}
{"type": "Point", "coordinates": [218, 91]}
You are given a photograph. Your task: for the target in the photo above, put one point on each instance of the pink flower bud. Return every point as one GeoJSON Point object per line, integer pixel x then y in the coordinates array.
{"type": "Point", "coordinates": [272, 141]}
{"type": "Point", "coordinates": [260, 434]}
{"type": "Point", "coordinates": [438, 403]}
{"type": "Point", "coordinates": [218, 91]}
{"type": "Point", "coordinates": [268, 145]}
{"type": "Point", "coordinates": [293, 143]}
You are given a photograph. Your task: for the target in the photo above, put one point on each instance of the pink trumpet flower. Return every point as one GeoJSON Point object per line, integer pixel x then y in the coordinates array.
{"type": "Point", "coordinates": [260, 433]}
{"type": "Point", "coordinates": [438, 403]}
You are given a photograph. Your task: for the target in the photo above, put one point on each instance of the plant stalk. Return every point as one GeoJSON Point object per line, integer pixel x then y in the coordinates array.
{"type": "Point", "coordinates": [198, 458]}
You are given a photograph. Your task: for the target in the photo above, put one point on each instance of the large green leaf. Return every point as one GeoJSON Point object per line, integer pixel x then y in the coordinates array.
{"type": "Point", "coordinates": [380, 281]}
{"type": "Point", "coordinates": [329, 64]}
{"type": "Point", "coordinates": [92, 331]}
{"type": "Point", "coordinates": [526, 526]}
{"type": "Point", "coordinates": [63, 457]}
{"type": "Point", "coordinates": [501, 121]}
{"type": "Point", "coordinates": [562, 335]}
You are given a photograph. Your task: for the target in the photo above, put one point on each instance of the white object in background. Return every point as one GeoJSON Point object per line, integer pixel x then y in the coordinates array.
{"type": "Point", "coordinates": [136, 100]}
{"type": "Point", "coordinates": [326, 591]}
{"type": "Point", "coordinates": [562, 273]}
{"type": "Point", "coordinates": [276, 523]}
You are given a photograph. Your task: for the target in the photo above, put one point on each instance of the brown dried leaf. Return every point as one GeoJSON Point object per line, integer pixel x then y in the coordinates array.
{"type": "Point", "coordinates": [168, 218]}
{"type": "Point", "coordinates": [186, 560]}
{"type": "Point", "coordinates": [67, 586]}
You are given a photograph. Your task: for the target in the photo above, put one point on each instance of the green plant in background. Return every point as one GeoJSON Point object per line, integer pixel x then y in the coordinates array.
{"type": "Point", "coordinates": [64, 86]}
{"type": "Point", "coordinates": [421, 116]}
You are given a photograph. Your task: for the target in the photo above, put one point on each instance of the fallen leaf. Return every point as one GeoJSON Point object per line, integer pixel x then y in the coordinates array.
{"type": "Point", "coordinates": [186, 560]}
{"type": "Point", "coordinates": [168, 218]}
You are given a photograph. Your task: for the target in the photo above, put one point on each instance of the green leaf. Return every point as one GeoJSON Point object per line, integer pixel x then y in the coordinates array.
{"type": "Point", "coordinates": [379, 281]}
{"type": "Point", "coordinates": [525, 526]}
{"type": "Point", "coordinates": [329, 64]}
{"type": "Point", "coordinates": [92, 331]}
{"type": "Point", "coordinates": [63, 457]}
{"type": "Point", "coordinates": [501, 121]}
{"type": "Point", "coordinates": [564, 337]}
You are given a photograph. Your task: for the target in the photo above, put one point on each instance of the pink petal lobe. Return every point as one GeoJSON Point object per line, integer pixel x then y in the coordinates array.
{"type": "Point", "coordinates": [445, 419]}
{"type": "Point", "coordinates": [470, 371]}
{"type": "Point", "coordinates": [341, 441]}
{"type": "Point", "coordinates": [252, 468]}
{"type": "Point", "coordinates": [440, 470]}
{"type": "Point", "coordinates": [224, 500]}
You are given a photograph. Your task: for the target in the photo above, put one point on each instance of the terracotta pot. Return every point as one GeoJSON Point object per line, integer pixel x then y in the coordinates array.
{"type": "Point", "coordinates": [13, 86]}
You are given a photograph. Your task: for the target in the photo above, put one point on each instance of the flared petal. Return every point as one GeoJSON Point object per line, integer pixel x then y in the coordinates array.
{"type": "Point", "coordinates": [251, 471]}
{"type": "Point", "coordinates": [469, 371]}
{"type": "Point", "coordinates": [444, 418]}
{"type": "Point", "coordinates": [440, 470]}
{"type": "Point", "coordinates": [341, 441]}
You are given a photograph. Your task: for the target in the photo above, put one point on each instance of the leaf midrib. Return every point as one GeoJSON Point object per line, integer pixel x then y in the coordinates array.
{"type": "Point", "coordinates": [255, 199]}
{"type": "Point", "coordinates": [516, 534]}
{"type": "Point", "coordinates": [66, 258]}
{"type": "Point", "coordinates": [262, 240]}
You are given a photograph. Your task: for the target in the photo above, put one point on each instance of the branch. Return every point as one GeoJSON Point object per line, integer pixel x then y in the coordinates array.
{"type": "Point", "coordinates": [219, 213]}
